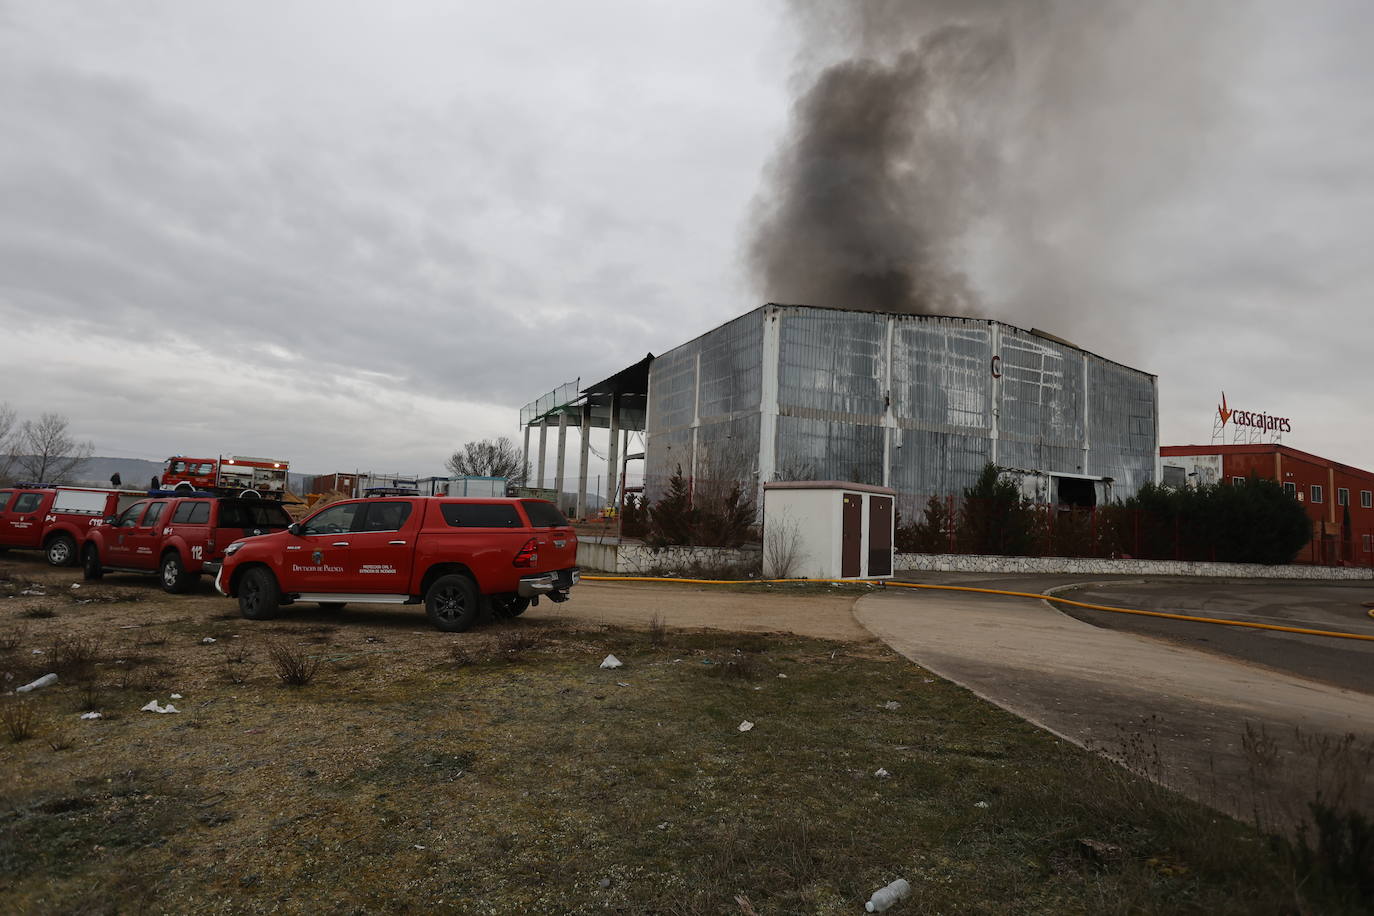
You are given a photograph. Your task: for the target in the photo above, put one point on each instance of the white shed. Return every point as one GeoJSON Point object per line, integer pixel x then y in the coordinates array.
{"type": "Point", "coordinates": [827, 529]}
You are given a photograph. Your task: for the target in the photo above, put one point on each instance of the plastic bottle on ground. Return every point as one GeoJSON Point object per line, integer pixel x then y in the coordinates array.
{"type": "Point", "coordinates": [886, 896]}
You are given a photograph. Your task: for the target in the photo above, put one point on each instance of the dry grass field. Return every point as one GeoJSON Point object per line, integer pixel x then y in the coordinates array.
{"type": "Point", "coordinates": [504, 771]}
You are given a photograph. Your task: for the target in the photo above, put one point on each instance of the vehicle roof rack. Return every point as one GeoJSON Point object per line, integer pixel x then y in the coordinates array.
{"type": "Point", "coordinates": [29, 485]}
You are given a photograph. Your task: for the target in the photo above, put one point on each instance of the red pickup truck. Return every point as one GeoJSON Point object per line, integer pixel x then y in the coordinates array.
{"type": "Point", "coordinates": [177, 538]}
{"type": "Point", "coordinates": [453, 555]}
{"type": "Point", "coordinates": [55, 519]}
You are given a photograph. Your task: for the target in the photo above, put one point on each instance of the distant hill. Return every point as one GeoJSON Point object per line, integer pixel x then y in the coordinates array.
{"type": "Point", "coordinates": [132, 471]}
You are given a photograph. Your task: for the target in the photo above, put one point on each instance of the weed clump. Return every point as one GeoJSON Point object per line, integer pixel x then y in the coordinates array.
{"type": "Point", "coordinates": [517, 641]}
{"type": "Point", "coordinates": [739, 667]}
{"type": "Point", "coordinates": [19, 719]}
{"type": "Point", "coordinates": [11, 639]}
{"type": "Point", "coordinates": [658, 630]}
{"type": "Point", "coordinates": [73, 656]}
{"type": "Point", "coordinates": [293, 666]}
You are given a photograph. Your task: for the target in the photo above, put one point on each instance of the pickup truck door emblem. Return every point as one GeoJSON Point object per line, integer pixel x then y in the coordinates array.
{"type": "Point", "coordinates": [318, 557]}
{"type": "Point", "coordinates": [560, 543]}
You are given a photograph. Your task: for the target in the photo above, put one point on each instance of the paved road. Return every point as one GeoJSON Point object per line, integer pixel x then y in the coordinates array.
{"type": "Point", "coordinates": [1178, 713]}
{"type": "Point", "coordinates": [1344, 663]}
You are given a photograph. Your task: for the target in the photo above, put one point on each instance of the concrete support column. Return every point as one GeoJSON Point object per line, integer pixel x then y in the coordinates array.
{"type": "Point", "coordinates": [624, 457]}
{"type": "Point", "coordinates": [562, 457]}
{"type": "Point", "coordinates": [768, 402]}
{"type": "Point", "coordinates": [613, 458]}
{"type": "Point", "coordinates": [525, 467]}
{"type": "Point", "coordinates": [582, 465]}
{"type": "Point", "coordinates": [543, 442]}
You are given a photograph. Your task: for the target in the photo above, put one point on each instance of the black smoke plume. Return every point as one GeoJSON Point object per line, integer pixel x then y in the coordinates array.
{"type": "Point", "coordinates": [942, 150]}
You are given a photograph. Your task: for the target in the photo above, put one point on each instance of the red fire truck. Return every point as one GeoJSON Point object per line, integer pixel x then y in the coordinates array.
{"type": "Point", "coordinates": [235, 476]}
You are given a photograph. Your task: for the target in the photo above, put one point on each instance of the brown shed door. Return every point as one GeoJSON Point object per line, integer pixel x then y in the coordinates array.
{"type": "Point", "coordinates": [880, 535]}
{"type": "Point", "coordinates": [851, 535]}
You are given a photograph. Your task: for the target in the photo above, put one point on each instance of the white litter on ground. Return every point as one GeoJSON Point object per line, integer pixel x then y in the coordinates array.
{"type": "Point", "coordinates": [884, 897]}
{"type": "Point", "coordinates": [76, 585]}
{"type": "Point", "coordinates": [746, 725]}
{"type": "Point", "coordinates": [980, 804]}
{"type": "Point", "coordinates": [176, 696]}
{"type": "Point", "coordinates": [207, 640]}
{"type": "Point", "coordinates": [621, 684]}
{"type": "Point", "coordinates": [37, 651]}
{"type": "Point", "coordinates": [46, 680]}
{"type": "Point", "coordinates": [782, 676]}
{"type": "Point", "coordinates": [892, 705]}
{"type": "Point", "coordinates": [91, 715]}
{"type": "Point", "coordinates": [153, 707]}
{"type": "Point", "coordinates": [882, 774]}
{"type": "Point", "coordinates": [612, 662]}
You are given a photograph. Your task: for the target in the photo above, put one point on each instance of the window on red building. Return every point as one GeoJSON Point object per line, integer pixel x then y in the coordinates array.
{"type": "Point", "coordinates": [1291, 489]}
{"type": "Point", "coordinates": [1342, 496]}
{"type": "Point", "coordinates": [1366, 499]}
{"type": "Point", "coordinates": [1316, 493]}
{"type": "Point", "coordinates": [1237, 480]}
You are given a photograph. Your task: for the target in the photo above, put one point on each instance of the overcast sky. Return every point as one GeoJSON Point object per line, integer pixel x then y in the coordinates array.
{"type": "Point", "coordinates": [359, 234]}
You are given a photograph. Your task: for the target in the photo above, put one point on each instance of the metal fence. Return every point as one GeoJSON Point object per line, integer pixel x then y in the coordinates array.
{"type": "Point", "coordinates": [561, 396]}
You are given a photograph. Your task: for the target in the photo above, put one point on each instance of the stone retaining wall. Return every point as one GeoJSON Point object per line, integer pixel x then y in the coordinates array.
{"type": "Point", "coordinates": [1089, 565]}
{"type": "Point", "coordinates": [634, 559]}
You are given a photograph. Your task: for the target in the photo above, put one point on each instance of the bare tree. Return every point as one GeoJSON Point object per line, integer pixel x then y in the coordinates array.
{"type": "Point", "coordinates": [489, 458]}
{"type": "Point", "coordinates": [46, 452]}
{"type": "Point", "coordinates": [7, 444]}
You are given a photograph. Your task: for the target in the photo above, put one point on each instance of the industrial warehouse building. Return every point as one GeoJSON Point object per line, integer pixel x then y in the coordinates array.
{"type": "Point", "coordinates": [917, 403]}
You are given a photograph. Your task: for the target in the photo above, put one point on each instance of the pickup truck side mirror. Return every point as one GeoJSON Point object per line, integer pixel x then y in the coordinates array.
{"type": "Point", "coordinates": [294, 528]}
{"type": "Point", "coordinates": [109, 519]}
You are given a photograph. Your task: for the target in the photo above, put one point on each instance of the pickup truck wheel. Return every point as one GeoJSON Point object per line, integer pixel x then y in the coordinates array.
{"type": "Point", "coordinates": [90, 564]}
{"type": "Point", "coordinates": [61, 550]}
{"type": "Point", "coordinates": [259, 595]}
{"type": "Point", "coordinates": [507, 606]}
{"type": "Point", "coordinates": [453, 604]}
{"type": "Point", "coordinates": [333, 605]}
{"type": "Point", "coordinates": [175, 578]}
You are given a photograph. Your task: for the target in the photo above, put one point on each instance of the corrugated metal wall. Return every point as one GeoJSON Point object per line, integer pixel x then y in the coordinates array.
{"type": "Point", "coordinates": [1122, 418]}
{"type": "Point", "coordinates": [704, 406]}
{"type": "Point", "coordinates": [905, 400]}
{"type": "Point", "coordinates": [942, 404]}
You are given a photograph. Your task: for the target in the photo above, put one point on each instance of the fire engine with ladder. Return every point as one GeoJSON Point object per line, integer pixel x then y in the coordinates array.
{"type": "Point", "coordinates": [234, 476]}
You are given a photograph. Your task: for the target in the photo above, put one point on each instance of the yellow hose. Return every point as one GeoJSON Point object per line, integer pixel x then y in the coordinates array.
{"type": "Point", "coordinates": [995, 591]}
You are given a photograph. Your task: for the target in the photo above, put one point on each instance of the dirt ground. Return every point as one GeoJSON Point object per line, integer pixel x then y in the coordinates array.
{"type": "Point", "coordinates": [823, 615]}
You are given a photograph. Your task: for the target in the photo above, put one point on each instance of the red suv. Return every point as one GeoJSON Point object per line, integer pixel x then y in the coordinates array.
{"type": "Point", "coordinates": [177, 538]}
{"type": "Point", "coordinates": [454, 555]}
{"type": "Point", "coordinates": [55, 519]}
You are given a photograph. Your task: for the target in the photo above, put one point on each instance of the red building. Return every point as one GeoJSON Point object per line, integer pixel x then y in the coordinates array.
{"type": "Point", "coordinates": [1338, 498]}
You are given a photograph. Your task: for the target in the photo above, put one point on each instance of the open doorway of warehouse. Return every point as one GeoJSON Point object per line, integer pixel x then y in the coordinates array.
{"type": "Point", "coordinates": [1078, 492]}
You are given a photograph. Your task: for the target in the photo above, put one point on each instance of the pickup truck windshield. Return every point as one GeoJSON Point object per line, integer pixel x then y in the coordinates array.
{"type": "Point", "coordinates": [543, 515]}
{"type": "Point", "coordinates": [255, 514]}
